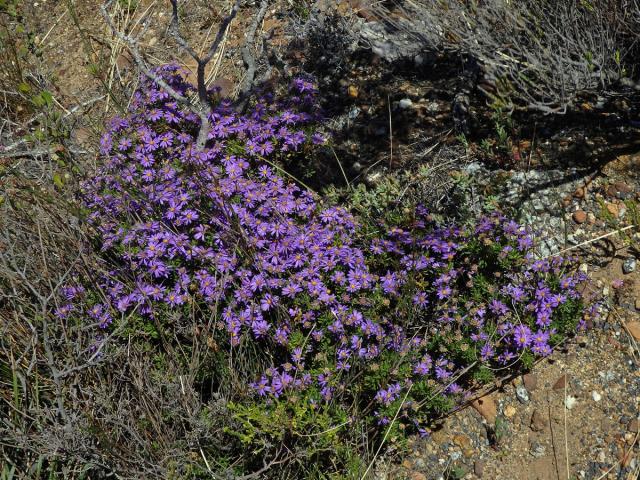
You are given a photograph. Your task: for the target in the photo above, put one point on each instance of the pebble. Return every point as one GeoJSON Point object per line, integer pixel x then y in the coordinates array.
{"type": "Point", "coordinates": [538, 422]}
{"type": "Point", "coordinates": [629, 265]}
{"type": "Point", "coordinates": [418, 476]}
{"type": "Point", "coordinates": [613, 209]}
{"type": "Point", "coordinates": [537, 449]}
{"type": "Point", "coordinates": [405, 103]}
{"type": "Point", "coordinates": [570, 402]}
{"type": "Point", "coordinates": [353, 91]}
{"type": "Point", "coordinates": [596, 396]}
{"type": "Point", "coordinates": [478, 468]}
{"type": "Point", "coordinates": [530, 381]}
{"type": "Point", "coordinates": [509, 411]}
{"type": "Point", "coordinates": [579, 216]}
{"type": "Point", "coordinates": [634, 329]}
{"type": "Point", "coordinates": [486, 407]}
{"type": "Point", "coordinates": [462, 441]}
{"type": "Point", "coordinates": [522, 394]}
{"type": "Point", "coordinates": [638, 303]}
{"type": "Point", "coordinates": [560, 383]}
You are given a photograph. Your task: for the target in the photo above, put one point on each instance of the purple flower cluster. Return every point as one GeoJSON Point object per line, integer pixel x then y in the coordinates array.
{"type": "Point", "coordinates": [222, 228]}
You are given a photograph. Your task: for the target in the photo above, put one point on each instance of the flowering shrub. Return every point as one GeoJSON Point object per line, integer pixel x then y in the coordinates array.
{"type": "Point", "coordinates": [351, 320]}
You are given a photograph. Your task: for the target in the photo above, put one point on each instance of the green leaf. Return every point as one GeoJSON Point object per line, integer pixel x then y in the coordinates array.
{"type": "Point", "coordinates": [57, 180]}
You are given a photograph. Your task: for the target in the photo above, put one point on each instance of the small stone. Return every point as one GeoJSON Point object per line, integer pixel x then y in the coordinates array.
{"type": "Point", "coordinates": [405, 103]}
{"type": "Point", "coordinates": [478, 468]}
{"type": "Point", "coordinates": [629, 265]}
{"type": "Point", "coordinates": [591, 218]}
{"type": "Point", "coordinates": [509, 411]}
{"type": "Point", "coordinates": [560, 383]}
{"type": "Point", "coordinates": [418, 476]}
{"type": "Point", "coordinates": [579, 193]}
{"type": "Point", "coordinates": [579, 216]}
{"type": "Point", "coordinates": [538, 422]}
{"type": "Point", "coordinates": [596, 396]}
{"type": "Point", "coordinates": [537, 449]}
{"type": "Point", "coordinates": [522, 394]}
{"type": "Point", "coordinates": [353, 91]}
{"type": "Point", "coordinates": [570, 402]}
{"type": "Point", "coordinates": [637, 303]}
{"type": "Point", "coordinates": [624, 456]}
{"type": "Point", "coordinates": [530, 381]}
{"type": "Point", "coordinates": [613, 209]}
{"type": "Point", "coordinates": [407, 464]}
{"type": "Point", "coordinates": [486, 407]}
{"type": "Point", "coordinates": [633, 426]}
{"type": "Point", "coordinates": [633, 328]}
{"type": "Point", "coordinates": [462, 441]}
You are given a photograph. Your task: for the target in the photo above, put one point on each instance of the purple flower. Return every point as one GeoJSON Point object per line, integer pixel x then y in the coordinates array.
{"type": "Point", "coordinates": [522, 336]}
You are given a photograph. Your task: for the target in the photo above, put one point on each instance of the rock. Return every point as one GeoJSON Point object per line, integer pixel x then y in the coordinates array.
{"type": "Point", "coordinates": [624, 456]}
{"type": "Point", "coordinates": [613, 209]}
{"type": "Point", "coordinates": [612, 191]}
{"type": "Point", "coordinates": [579, 216]}
{"type": "Point", "coordinates": [637, 303]}
{"type": "Point", "coordinates": [579, 193]}
{"type": "Point", "coordinates": [591, 218]}
{"type": "Point", "coordinates": [560, 383]}
{"type": "Point", "coordinates": [418, 476]}
{"type": "Point", "coordinates": [530, 381]}
{"type": "Point", "coordinates": [486, 407]}
{"type": "Point", "coordinates": [629, 265]}
{"type": "Point", "coordinates": [538, 422]}
{"type": "Point", "coordinates": [537, 449]}
{"type": "Point", "coordinates": [633, 425]}
{"type": "Point", "coordinates": [522, 394]}
{"type": "Point", "coordinates": [353, 91]}
{"type": "Point", "coordinates": [509, 411]}
{"type": "Point", "coordinates": [596, 396]}
{"type": "Point", "coordinates": [570, 402]}
{"type": "Point", "coordinates": [478, 468]}
{"type": "Point", "coordinates": [405, 103]}
{"type": "Point", "coordinates": [619, 190]}
{"type": "Point", "coordinates": [623, 191]}
{"type": "Point", "coordinates": [633, 328]}
{"type": "Point", "coordinates": [462, 441]}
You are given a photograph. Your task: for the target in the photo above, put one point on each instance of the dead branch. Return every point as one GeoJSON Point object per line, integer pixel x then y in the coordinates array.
{"type": "Point", "coordinates": [247, 56]}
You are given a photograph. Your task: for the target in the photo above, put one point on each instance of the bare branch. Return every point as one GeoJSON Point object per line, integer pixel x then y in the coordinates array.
{"type": "Point", "coordinates": [247, 56]}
